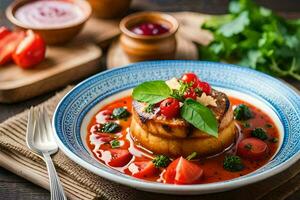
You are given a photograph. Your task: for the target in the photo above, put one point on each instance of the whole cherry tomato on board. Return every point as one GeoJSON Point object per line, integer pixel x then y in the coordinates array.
{"type": "Point", "coordinates": [31, 50]}
{"type": "Point", "coordinates": [170, 107]}
{"type": "Point", "coordinates": [252, 148]}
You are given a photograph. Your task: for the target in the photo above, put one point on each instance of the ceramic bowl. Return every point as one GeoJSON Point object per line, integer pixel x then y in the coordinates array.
{"type": "Point", "coordinates": [108, 9]}
{"type": "Point", "coordinates": [267, 93]}
{"type": "Point", "coordinates": [145, 47]}
{"type": "Point", "coordinates": [55, 35]}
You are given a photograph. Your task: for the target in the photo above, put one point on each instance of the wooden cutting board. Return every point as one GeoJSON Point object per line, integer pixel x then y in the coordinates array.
{"type": "Point", "coordinates": [63, 64]}
{"type": "Point", "coordinates": [188, 34]}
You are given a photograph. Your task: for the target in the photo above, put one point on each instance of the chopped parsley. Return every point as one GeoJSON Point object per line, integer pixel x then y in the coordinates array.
{"type": "Point", "coordinates": [242, 112]}
{"type": "Point", "coordinates": [233, 163]}
{"type": "Point", "coordinates": [274, 140]}
{"type": "Point", "coordinates": [192, 156]}
{"type": "Point", "coordinates": [120, 113]}
{"type": "Point", "coordinates": [161, 161]}
{"type": "Point", "coordinates": [115, 144]}
{"type": "Point", "coordinates": [259, 133]}
{"type": "Point", "coordinates": [110, 127]}
{"type": "Point", "coordinates": [150, 108]}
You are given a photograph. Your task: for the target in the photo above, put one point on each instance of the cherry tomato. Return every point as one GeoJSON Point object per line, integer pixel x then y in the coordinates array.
{"type": "Point", "coordinates": [31, 50]}
{"type": "Point", "coordinates": [119, 157]}
{"type": "Point", "coordinates": [190, 78]}
{"type": "Point", "coordinates": [252, 148]}
{"type": "Point", "coordinates": [146, 169]}
{"type": "Point", "coordinates": [4, 32]}
{"type": "Point", "coordinates": [190, 93]}
{"type": "Point", "coordinates": [170, 107]}
{"type": "Point", "coordinates": [205, 87]}
{"type": "Point", "coordinates": [182, 171]}
{"type": "Point", "coordinates": [8, 45]}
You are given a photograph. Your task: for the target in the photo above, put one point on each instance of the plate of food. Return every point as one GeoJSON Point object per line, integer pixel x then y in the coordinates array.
{"type": "Point", "coordinates": [180, 127]}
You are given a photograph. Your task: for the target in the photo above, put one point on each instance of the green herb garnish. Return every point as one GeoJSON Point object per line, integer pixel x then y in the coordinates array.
{"type": "Point", "coordinates": [242, 112]}
{"type": "Point", "coordinates": [152, 92]}
{"type": "Point", "coordinates": [233, 163]}
{"type": "Point", "coordinates": [110, 127]}
{"type": "Point", "coordinates": [259, 133]}
{"type": "Point", "coordinates": [150, 108]}
{"type": "Point", "coordinates": [274, 140]}
{"type": "Point", "coordinates": [199, 116]}
{"type": "Point", "coordinates": [192, 156]}
{"type": "Point", "coordinates": [195, 113]}
{"type": "Point", "coordinates": [254, 36]}
{"type": "Point", "coordinates": [161, 161]}
{"type": "Point", "coordinates": [115, 144]}
{"type": "Point", "coordinates": [269, 126]}
{"type": "Point", "coordinates": [120, 113]}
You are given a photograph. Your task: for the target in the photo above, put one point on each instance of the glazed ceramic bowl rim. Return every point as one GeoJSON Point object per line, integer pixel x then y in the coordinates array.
{"type": "Point", "coordinates": [124, 22]}
{"type": "Point", "coordinates": [11, 9]}
{"type": "Point", "coordinates": [169, 188]}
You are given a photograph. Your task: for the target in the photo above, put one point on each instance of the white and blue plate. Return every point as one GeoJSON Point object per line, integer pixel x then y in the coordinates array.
{"type": "Point", "coordinates": [269, 94]}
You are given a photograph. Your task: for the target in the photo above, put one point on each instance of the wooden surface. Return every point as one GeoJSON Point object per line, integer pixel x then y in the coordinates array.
{"type": "Point", "coordinates": [63, 64]}
{"type": "Point", "coordinates": [14, 187]}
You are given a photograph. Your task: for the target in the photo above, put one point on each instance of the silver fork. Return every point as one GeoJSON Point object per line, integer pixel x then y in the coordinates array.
{"type": "Point", "coordinates": [39, 138]}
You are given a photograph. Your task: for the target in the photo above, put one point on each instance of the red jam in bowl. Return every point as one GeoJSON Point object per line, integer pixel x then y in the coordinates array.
{"type": "Point", "coordinates": [50, 13]}
{"type": "Point", "coordinates": [149, 28]}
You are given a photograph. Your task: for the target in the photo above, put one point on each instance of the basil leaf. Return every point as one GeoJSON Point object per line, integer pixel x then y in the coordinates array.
{"type": "Point", "coordinates": [151, 92]}
{"type": "Point", "coordinates": [199, 116]}
{"type": "Point", "coordinates": [110, 127]}
{"type": "Point", "coordinates": [120, 113]}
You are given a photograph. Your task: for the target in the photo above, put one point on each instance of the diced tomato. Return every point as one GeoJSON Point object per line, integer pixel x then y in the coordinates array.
{"type": "Point", "coordinates": [31, 50]}
{"type": "Point", "coordinates": [146, 169]}
{"type": "Point", "coordinates": [4, 32]}
{"type": "Point", "coordinates": [205, 87]}
{"type": "Point", "coordinates": [104, 137]}
{"type": "Point", "coordinates": [252, 148]}
{"type": "Point", "coordinates": [170, 107]}
{"type": "Point", "coordinates": [119, 157]}
{"type": "Point", "coordinates": [190, 93]}
{"type": "Point", "coordinates": [8, 45]}
{"type": "Point", "coordinates": [190, 78]}
{"type": "Point", "coordinates": [182, 171]}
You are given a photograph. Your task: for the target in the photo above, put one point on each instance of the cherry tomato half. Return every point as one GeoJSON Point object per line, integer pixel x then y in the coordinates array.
{"type": "Point", "coordinates": [252, 148]}
{"type": "Point", "coordinates": [182, 171]}
{"type": "Point", "coordinates": [190, 78]}
{"type": "Point", "coordinates": [146, 169]}
{"type": "Point", "coordinates": [205, 87]}
{"type": "Point", "coordinates": [170, 107]}
{"type": "Point", "coordinates": [119, 157]}
{"type": "Point", "coordinates": [190, 93]}
{"type": "Point", "coordinates": [31, 50]}
{"type": "Point", "coordinates": [8, 45]}
{"type": "Point", "coordinates": [4, 32]}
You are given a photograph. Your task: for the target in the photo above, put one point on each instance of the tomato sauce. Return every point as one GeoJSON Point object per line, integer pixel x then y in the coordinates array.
{"type": "Point", "coordinates": [212, 166]}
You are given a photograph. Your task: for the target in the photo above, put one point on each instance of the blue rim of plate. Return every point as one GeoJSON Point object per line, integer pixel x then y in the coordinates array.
{"type": "Point", "coordinates": [74, 106]}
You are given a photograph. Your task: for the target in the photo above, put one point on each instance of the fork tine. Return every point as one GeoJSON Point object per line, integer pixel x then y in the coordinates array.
{"type": "Point", "coordinates": [30, 127]}
{"type": "Point", "coordinates": [36, 132]}
{"type": "Point", "coordinates": [48, 126]}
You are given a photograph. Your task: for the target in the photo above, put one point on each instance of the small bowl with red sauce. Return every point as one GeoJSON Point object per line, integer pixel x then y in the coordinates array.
{"type": "Point", "coordinates": [149, 36]}
{"type": "Point", "coordinates": [57, 21]}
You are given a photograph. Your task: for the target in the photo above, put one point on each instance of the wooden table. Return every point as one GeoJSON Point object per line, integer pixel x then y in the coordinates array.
{"type": "Point", "coordinates": [14, 187]}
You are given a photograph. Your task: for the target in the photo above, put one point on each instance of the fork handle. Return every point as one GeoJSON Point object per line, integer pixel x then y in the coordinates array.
{"type": "Point", "coordinates": [56, 189]}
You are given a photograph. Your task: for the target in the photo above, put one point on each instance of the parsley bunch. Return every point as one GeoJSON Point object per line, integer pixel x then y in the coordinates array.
{"type": "Point", "coordinates": [254, 36]}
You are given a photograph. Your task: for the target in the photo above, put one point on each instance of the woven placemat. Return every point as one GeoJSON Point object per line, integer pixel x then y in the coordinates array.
{"type": "Point", "coordinates": [82, 184]}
